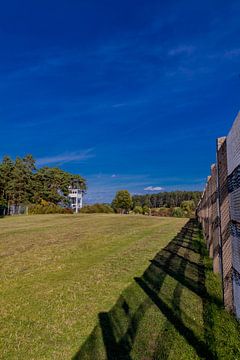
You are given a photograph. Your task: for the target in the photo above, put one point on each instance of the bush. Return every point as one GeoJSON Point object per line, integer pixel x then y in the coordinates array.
{"type": "Point", "coordinates": [138, 210]}
{"type": "Point", "coordinates": [165, 211]}
{"type": "Point", "coordinates": [48, 208]}
{"type": "Point", "coordinates": [146, 210]}
{"type": "Point", "coordinates": [188, 208]}
{"type": "Point", "coordinates": [162, 211]}
{"type": "Point", "coordinates": [178, 212]}
{"type": "Point", "coordinates": [97, 208]}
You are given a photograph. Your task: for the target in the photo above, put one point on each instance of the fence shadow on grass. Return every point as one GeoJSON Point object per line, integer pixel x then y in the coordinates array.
{"type": "Point", "coordinates": [180, 266]}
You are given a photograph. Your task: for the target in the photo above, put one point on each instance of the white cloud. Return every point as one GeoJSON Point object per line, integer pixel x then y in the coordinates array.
{"type": "Point", "coordinates": [119, 105]}
{"type": "Point", "coordinates": [114, 176]}
{"type": "Point", "coordinates": [153, 188]}
{"type": "Point", "coordinates": [65, 157]}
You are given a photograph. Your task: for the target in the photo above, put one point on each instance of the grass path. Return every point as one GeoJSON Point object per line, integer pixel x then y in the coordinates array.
{"type": "Point", "coordinates": [173, 311]}
{"type": "Point", "coordinates": [59, 271]}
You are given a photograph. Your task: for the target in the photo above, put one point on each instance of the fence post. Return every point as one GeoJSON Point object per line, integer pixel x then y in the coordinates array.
{"type": "Point", "coordinates": [224, 209]}
{"type": "Point", "coordinates": [215, 219]}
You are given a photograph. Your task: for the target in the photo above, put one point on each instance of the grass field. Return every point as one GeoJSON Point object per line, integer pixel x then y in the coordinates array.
{"type": "Point", "coordinates": [58, 272]}
{"type": "Point", "coordinates": [172, 311]}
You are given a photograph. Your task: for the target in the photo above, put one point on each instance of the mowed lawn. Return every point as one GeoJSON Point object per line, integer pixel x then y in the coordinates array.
{"type": "Point", "coordinates": [58, 272]}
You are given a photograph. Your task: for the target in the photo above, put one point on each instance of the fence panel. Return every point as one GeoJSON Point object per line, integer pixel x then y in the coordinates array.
{"type": "Point", "coordinates": [219, 213]}
{"type": "Point", "coordinates": [233, 160]}
{"type": "Point", "coordinates": [226, 240]}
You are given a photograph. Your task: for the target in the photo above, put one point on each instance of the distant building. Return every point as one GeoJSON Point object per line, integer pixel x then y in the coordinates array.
{"type": "Point", "coordinates": [76, 198]}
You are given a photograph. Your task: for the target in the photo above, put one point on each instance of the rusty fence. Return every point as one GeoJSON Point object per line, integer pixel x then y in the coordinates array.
{"type": "Point", "coordinates": [219, 213]}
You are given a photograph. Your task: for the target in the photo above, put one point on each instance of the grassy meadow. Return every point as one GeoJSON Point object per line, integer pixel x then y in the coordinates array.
{"type": "Point", "coordinates": [58, 272]}
{"type": "Point", "coordinates": [174, 310]}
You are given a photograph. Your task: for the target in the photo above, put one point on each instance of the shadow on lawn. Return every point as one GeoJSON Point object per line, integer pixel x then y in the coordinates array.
{"type": "Point", "coordinates": [115, 335]}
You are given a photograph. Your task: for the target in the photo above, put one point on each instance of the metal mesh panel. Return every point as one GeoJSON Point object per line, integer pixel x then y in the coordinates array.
{"type": "Point", "coordinates": [233, 154]}
{"type": "Point", "coordinates": [233, 145]}
{"type": "Point", "coordinates": [219, 213]}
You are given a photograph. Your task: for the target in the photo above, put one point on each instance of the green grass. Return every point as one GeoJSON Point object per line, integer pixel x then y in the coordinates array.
{"type": "Point", "coordinates": [58, 272]}
{"type": "Point", "coordinates": [173, 311]}
{"type": "Point", "coordinates": [96, 287]}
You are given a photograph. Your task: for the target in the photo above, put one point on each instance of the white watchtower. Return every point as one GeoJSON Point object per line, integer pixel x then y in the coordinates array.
{"type": "Point", "coordinates": [76, 198]}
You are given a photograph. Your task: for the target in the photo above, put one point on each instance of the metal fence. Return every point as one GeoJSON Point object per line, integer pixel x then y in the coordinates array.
{"type": "Point", "coordinates": [17, 209]}
{"type": "Point", "coordinates": [219, 213]}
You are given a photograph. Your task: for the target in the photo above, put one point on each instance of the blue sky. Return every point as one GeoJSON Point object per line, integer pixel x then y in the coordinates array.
{"type": "Point", "coordinates": [129, 94]}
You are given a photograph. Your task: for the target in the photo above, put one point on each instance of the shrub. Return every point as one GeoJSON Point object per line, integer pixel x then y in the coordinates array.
{"type": "Point", "coordinates": [154, 212]}
{"type": "Point", "coordinates": [146, 210]}
{"type": "Point", "coordinates": [97, 208]}
{"type": "Point", "coordinates": [162, 211]}
{"type": "Point", "coordinates": [48, 208]}
{"type": "Point", "coordinates": [188, 207]}
{"type": "Point", "coordinates": [138, 210]}
{"type": "Point", "coordinates": [178, 212]}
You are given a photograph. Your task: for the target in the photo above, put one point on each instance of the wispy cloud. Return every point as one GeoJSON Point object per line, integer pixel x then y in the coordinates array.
{"type": "Point", "coordinates": [31, 124]}
{"type": "Point", "coordinates": [46, 63]}
{"type": "Point", "coordinates": [232, 53]}
{"type": "Point", "coordinates": [153, 188]}
{"type": "Point", "coordinates": [183, 49]}
{"type": "Point", "coordinates": [66, 157]}
{"type": "Point", "coordinates": [119, 105]}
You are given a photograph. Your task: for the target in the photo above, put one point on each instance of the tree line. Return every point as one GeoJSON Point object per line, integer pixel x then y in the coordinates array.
{"type": "Point", "coordinates": [169, 199]}
{"type": "Point", "coordinates": [21, 182]}
{"type": "Point", "coordinates": [46, 189]}
{"type": "Point", "coordinates": [175, 203]}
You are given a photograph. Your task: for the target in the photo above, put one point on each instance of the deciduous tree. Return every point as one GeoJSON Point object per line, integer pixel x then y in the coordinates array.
{"type": "Point", "coordinates": [122, 202]}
